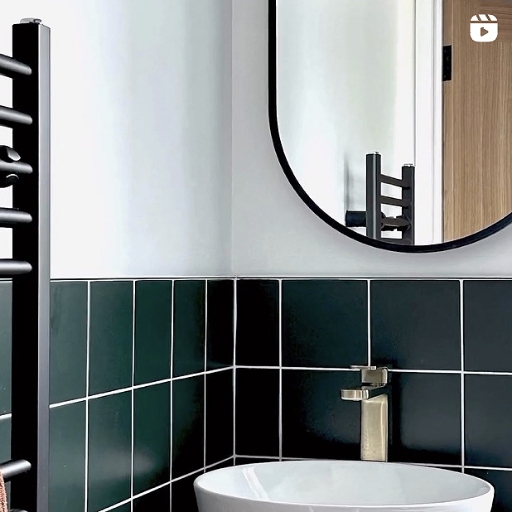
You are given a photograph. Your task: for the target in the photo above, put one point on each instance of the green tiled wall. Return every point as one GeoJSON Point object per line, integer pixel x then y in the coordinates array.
{"type": "Point", "coordinates": [136, 367]}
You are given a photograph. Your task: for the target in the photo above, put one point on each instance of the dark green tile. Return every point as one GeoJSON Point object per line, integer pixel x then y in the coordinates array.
{"type": "Point", "coordinates": [430, 434]}
{"type": "Point", "coordinates": [316, 422]}
{"type": "Point", "coordinates": [183, 495]}
{"type": "Point", "coordinates": [487, 421]}
{"type": "Point", "coordinates": [325, 323]}
{"type": "Point", "coordinates": [110, 351]}
{"type": "Point", "coordinates": [502, 483]}
{"type": "Point", "coordinates": [187, 425]}
{"type": "Point", "coordinates": [219, 416]}
{"type": "Point", "coordinates": [220, 335]}
{"type": "Point", "coordinates": [68, 341]}
{"type": "Point", "coordinates": [242, 461]}
{"type": "Point", "coordinates": [67, 458]}
{"type": "Point", "coordinates": [153, 308]}
{"type": "Point", "coordinates": [189, 327]}
{"type": "Point", "coordinates": [257, 330]}
{"type": "Point", "coordinates": [257, 412]}
{"type": "Point", "coordinates": [109, 450]}
{"type": "Point", "coordinates": [415, 325]}
{"type": "Point", "coordinates": [220, 465]}
{"type": "Point", "coordinates": [123, 508]}
{"type": "Point", "coordinates": [155, 501]}
{"type": "Point", "coordinates": [487, 326]}
{"type": "Point", "coordinates": [151, 456]}
{"type": "Point", "coordinates": [5, 439]}
{"type": "Point", "coordinates": [5, 346]}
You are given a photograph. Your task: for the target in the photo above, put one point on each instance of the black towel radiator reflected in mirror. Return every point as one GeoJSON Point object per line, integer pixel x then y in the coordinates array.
{"type": "Point", "coordinates": [373, 219]}
{"type": "Point", "coordinates": [26, 168]}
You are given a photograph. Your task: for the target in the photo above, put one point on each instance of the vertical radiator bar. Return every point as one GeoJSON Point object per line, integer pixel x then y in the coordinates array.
{"type": "Point", "coordinates": [373, 196]}
{"type": "Point", "coordinates": [408, 194]}
{"type": "Point", "coordinates": [31, 292]}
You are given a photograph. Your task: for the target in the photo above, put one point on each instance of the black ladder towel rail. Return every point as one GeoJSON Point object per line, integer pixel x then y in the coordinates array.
{"type": "Point", "coordinates": [26, 167]}
{"type": "Point", "coordinates": [373, 218]}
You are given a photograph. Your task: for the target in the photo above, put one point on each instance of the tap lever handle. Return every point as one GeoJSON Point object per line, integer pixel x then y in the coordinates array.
{"type": "Point", "coordinates": [372, 375]}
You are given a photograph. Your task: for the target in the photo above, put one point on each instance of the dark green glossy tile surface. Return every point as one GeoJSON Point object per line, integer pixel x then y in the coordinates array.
{"type": "Point", "coordinates": [415, 325]}
{"type": "Point", "coordinates": [183, 496]}
{"type": "Point", "coordinates": [316, 422]}
{"type": "Point", "coordinates": [123, 508]}
{"type": "Point", "coordinates": [111, 336]}
{"type": "Point", "coordinates": [109, 450]}
{"type": "Point", "coordinates": [257, 412]}
{"type": "Point", "coordinates": [487, 421]}
{"type": "Point", "coordinates": [5, 346]}
{"type": "Point", "coordinates": [153, 303]}
{"type": "Point", "coordinates": [487, 326]}
{"type": "Point", "coordinates": [187, 425]}
{"type": "Point", "coordinates": [325, 323]}
{"type": "Point", "coordinates": [5, 439]}
{"type": "Point", "coordinates": [68, 340]}
{"type": "Point", "coordinates": [155, 501]}
{"type": "Point", "coordinates": [257, 342]}
{"type": "Point", "coordinates": [189, 327]}
{"type": "Point", "coordinates": [426, 418]}
{"type": "Point", "coordinates": [152, 437]}
{"type": "Point", "coordinates": [219, 416]}
{"type": "Point", "coordinates": [67, 458]}
{"type": "Point", "coordinates": [242, 461]}
{"type": "Point", "coordinates": [220, 324]}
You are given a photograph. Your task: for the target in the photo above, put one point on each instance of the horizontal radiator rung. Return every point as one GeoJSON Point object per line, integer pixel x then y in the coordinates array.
{"type": "Point", "coordinates": [14, 468]}
{"type": "Point", "coordinates": [389, 180]}
{"type": "Point", "coordinates": [10, 268]}
{"type": "Point", "coordinates": [12, 68]}
{"type": "Point", "coordinates": [10, 117]}
{"type": "Point", "coordinates": [10, 217]}
{"type": "Point", "coordinates": [392, 201]}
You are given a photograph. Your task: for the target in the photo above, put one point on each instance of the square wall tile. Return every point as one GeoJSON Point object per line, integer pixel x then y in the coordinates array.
{"type": "Point", "coordinates": [5, 439]}
{"type": "Point", "coordinates": [152, 437]}
{"type": "Point", "coordinates": [219, 325]}
{"type": "Point", "coordinates": [5, 346]}
{"type": "Point", "coordinates": [183, 495]}
{"type": "Point", "coordinates": [257, 338]}
{"type": "Point", "coordinates": [325, 323]}
{"type": "Point", "coordinates": [67, 458]}
{"type": "Point", "coordinates": [488, 326]}
{"type": "Point", "coordinates": [257, 412]}
{"type": "Point", "coordinates": [415, 325]}
{"type": "Point", "coordinates": [153, 310]}
{"type": "Point", "coordinates": [187, 425]}
{"type": "Point", "coordinates": [488, 421]}
{"type": "Point", "coordinates": [110, 336]}
{"type": "Point", "coordinates": [502, 483]}
{"type": "Point", "coordinates": [316, 422]}
{"type": "Point", "coordinates": [68, 340]}
{"type": "Point", "coordinates": [219, 416]}
{"type": "Point", "coordinates": [110, 443]}
{"type": "Point", "coordinates": [426, 418]}
{"type": "Point", "coordinates": [242, 461]}
{"type": "Point", "coordinates": [189, 327]}
{"type": "Point", "coordinates": [155, 501]}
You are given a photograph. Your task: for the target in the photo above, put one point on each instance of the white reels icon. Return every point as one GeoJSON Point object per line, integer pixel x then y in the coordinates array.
{"type": "Point", "coordinates": [484, 28]}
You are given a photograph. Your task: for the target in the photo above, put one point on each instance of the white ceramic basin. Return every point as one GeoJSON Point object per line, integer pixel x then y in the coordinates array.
{"type": "Point", "coordinates": [317, 486]}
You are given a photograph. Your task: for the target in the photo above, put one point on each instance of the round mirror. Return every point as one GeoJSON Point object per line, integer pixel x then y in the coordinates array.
{"type": "Point", "coordinates": [392, 118]}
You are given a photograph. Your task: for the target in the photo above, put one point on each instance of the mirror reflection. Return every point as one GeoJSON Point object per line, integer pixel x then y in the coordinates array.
{"type": "Point", "coordinates": [394, 115]}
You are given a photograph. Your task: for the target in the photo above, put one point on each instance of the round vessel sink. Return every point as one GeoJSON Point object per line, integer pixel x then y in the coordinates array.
{"type": "Point", "coordinates": [315, 486]}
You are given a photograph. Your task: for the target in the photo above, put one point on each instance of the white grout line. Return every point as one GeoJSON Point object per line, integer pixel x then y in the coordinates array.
{"type": "Point", "coordinates": [369, 319]}
{"type": "Point", "coordinates": [87, 371]}
{"type": "Point", "coordinates": [235, 320]}
{"type": "Point", "coordinates": [205, 368]}
{"type": "Point", "coordinates": [154, 489]}
{"type": "Point", "coordinates": [489, 468]}
{"type": "Point", "coordinates": [462, 382]}
{"type": "Point", "coordinates": [201, 470]}
{"type": "Point", "coordinates": [280, 327]}
{"type": "Point", "coordinates": [133, 395]}
{"type": "Point", "coordinates": [7, 416]}
{"type": "Point", "coordinates": [113, 507]}
{"type": "Point", "coordinates": [170, 383]}
{"type": "Point", "coordinates": [209, 372]}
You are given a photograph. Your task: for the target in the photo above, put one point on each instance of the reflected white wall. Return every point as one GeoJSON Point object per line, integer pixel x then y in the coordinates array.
{"type": "Point", "coordinates": [346, 87]}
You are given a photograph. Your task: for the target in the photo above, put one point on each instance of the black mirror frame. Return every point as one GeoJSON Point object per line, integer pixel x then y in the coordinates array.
{"type": "Point", "coordinates": [283, 160]}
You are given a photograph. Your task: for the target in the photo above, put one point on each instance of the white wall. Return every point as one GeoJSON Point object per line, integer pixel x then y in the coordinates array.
{"type": "Point", "coordinates": [274, 233]}
{"type": "Point", "coordinates": [141, 134]}
{"type": "Point", "coordinates": [346, 87]}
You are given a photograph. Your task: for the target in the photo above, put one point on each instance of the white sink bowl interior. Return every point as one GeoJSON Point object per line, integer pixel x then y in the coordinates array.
{"type": "Point", "coordinates": [314, 486]}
